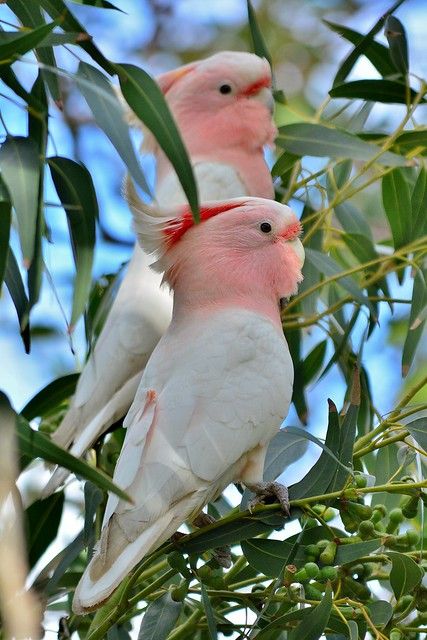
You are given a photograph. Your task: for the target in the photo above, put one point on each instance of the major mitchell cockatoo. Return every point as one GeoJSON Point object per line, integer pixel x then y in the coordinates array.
{"type": "Point", "coordinates": [217, 386]}
{"type": "Point", "coordinates": [223, 107]}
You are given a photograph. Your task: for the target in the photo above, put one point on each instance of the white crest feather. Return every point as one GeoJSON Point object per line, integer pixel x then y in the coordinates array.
{"type": "Point", "coordinates": [150, 223]}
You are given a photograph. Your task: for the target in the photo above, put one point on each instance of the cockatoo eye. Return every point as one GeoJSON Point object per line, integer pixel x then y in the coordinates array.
{"type": "Point", "coordinates": [265, 227]}
{"type": "Point", "coordinates": [225, 88]}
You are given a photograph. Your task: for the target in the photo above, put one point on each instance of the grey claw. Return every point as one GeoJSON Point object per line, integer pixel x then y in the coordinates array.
{"type": "Point", "coordinates": [265, 490]}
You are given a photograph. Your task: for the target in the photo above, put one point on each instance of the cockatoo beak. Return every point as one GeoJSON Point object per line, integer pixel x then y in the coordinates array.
{"type": "Point", "coordinates": [265, 96]}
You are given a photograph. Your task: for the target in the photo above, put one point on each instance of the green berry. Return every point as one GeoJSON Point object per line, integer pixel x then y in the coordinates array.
{"type": "Point", "coordinates": [410, 507]}
{"type": "Point", "coordinates": [311, 593]}
{"type": "Point", "coordinates": [328, 573]}
{"type": "Point", "coordinates": [179, 592]}
{"type": "Point", "coordinates": [301, 576]}
{"type": "Point", "coordinates": [360, 511]}
{"type": "Point", "coordinates": [312, 550]}
{"type": "Point", "coordinates": [412, 537]}
{"type": "Point", "coordinates": [396, 515]}
{"type": "Point", "coordinates": [349, 522]}
{"type": "Point", "coordinates": [366, 529]}
{"type": "Point", "coordinates": [421, 599]}
{"type": "Point", "coordinates": [328, 554]}
{"type": "Point", "coordinates": [322, 544]}
{"type": "Point", "coordinates": [312, 569]}
{"type": "Point", "coordinates": [360, 481]}
{"type": "Point", "coordinates": [403, 603]}
{"type": "Point", "coordinates": [204, 572]}
{"type": "Point", "coordinates": [396, 634]}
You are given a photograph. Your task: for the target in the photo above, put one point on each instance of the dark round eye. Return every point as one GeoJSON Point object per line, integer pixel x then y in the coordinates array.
{"type": "Point", "coordinates": [265, 227]}
{"type": "Point", "coordinates": [225, 88]}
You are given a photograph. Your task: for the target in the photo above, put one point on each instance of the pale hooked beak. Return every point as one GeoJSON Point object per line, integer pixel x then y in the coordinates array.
{"type": "Point", "coordinates": [298, 248]}
{"type": "Point", "coordinates": [265, 95]}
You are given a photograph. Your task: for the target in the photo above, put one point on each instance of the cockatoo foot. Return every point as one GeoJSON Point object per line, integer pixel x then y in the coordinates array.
{"type": "Point", "coordinates": [265, 491]}
{"type": "Point", "coordinates": [221, 554]}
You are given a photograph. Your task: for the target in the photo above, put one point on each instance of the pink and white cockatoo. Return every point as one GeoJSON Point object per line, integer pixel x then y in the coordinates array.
{"type": "Point", "coordinates": [217, 386]}
{"type": "Point", "coordinates": [223, 107]}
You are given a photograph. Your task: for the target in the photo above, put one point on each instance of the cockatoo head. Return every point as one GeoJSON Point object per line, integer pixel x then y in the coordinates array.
{"type": "Point", "coordinates": [222, 101]}
{"type": "Point", "coordinates": [240, 245]}
{"type": "Point", "coordinates": [228, 87]}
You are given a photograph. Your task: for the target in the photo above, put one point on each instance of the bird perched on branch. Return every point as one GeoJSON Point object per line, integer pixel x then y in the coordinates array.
{"type": "Point", "coordinates": [217, 386]}
{"type": "Point", "coordinates": [223, 107]}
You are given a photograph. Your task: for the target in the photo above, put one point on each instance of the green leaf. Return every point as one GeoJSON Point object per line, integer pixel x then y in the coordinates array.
{"type": "Point", "coordinates": [48, 398]}
{"type": "Point", "coordinates": [326, 265]}
{"type": "Point", "coordinates": [411, 142]}
{"type": "Point", "coordinates": [396, 37]}
{"type": "Point", "coordinates": [387, 91]}
{"type": "Point", "coordinates": [5, 220]}
{"type": "Point", "coordinates": [58, 9]}
{"type": "Point", "coordinates": [160, 618]}
{"type": "Point", "coordinates": [352, 220]}
{"type": "Point", "coordinates": [16, 289]}
{"type": "Point", "coordinates": [145, 98]}
{"type": "Point", "coordinates": [419, 204]}
{"type": "Point", "coordinates": [380, 612]}
{"type": "Point", "coordinates": [42, 520]}
{"type": "Point", "coordinates": [418, 430]}
{"type": "Point", "coordinates": [30, 15]}
{"type": "Point", "coordinates": [416, 321]}
{"type": "Point", "coordinates": [20, 169]}
{"type": "Point", "coordinates": [317, 480]}
{"type": "Point", "coordinates": [24, 41]}
{"type": "Point", "coordinates": [385, 466]}
{"type": "Point", "coordinates": [267, 556]}
{"type": "Point", "coordinates": [51, 40]}
{"type": "Point", "coordinates": [319, 443]}
{"type": "Point", "coordinates": [210, 615]}
{"type": "Point", "coordinates": [362, 46]}
{"type": "Point", "coordinates": [405, 574]}
{"type": "Point", "coordinates": [307, 139]}
{"type": "Point", "coordinates": [103, 4]}
{"type": "Point", "coordinates": [313, 625]}
{"type": "Point", "coordinates": [312, 363]}
{"type": "Point", "coordinates": [110, 116]}
{"type": "Point", "coordinates": [37, 131]}
{"type": "Point", "coordinates": [258, 41]}
{"type": "Point", "coordinates": [397, 206]}
{"type": "Point", "coordinates": [34, 444]}
{"type": "Point", "coordinates": [75, 189]}
{"type": "Point", "coordinates": [67, 556]}
{"type": "Point", "coordinates": [93, 498]}
{"type": "Point", "coordinates": [351, 552]}
{"type": "Point", "coordinates": [376, 53]}
{"type": "Point", "coordinates": [220, 534]}
{"type": "Point", "coordinates": [283, 450]}
{"type": "Point", "coordinates": [347, 437]}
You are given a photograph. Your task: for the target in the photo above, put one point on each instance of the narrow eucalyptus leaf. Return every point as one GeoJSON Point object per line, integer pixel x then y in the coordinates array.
{"type": "Point", "coordinates": [260, 47]}
{"type": "Point", "coordinates": [20, 169]}
{"type": "Point", "coordinates": [313, 625]}
{"type": "Point", "coordinates": [75, 189]}
{"type": "Point", "coordinates": [397, 42]}
{"type": "Point", "coordinates": [34, 444]}
{"type": "Point", "coordinates": [16, 289]}
{"type": "Point", "coordinates": [308, 139]}
{"type": "Point", "coordinates": [387, 91]}
{"type": "Point", "coordinates": [397, 205]}
{"type": "Point", "coordinates": [110, 116]}
{"type": "Point", "coordinates": [145, 98]}
{"type": "Point", "coordinates": [42, 523]}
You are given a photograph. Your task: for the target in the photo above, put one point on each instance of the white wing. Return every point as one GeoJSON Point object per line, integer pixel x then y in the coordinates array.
{"type": "Point", "coordinates": [138, 318]}
{"type": "Point", "coordinates": [211, 396]}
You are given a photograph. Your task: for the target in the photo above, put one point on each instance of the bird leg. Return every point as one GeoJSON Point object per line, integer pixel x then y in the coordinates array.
{"type": "Point", "coordinates": [265, 491]}
{"type": "Point", "coordinates": [221, 554]}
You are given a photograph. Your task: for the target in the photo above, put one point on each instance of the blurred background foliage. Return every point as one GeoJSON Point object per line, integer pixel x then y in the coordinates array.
{"type": "Point", "coordinates": [352, 225]}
